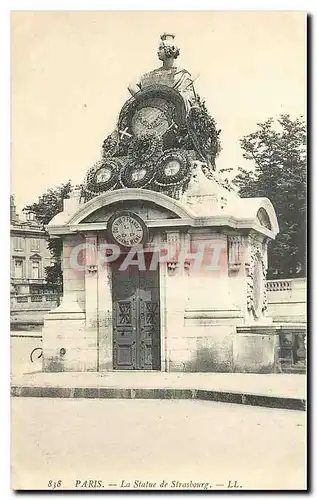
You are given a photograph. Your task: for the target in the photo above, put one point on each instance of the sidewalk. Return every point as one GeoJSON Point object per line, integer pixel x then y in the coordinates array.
{"type": "Point", "coordinates": [271, 390]}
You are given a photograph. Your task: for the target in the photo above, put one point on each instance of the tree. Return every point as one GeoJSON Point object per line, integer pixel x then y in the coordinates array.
{"type": "Point", "coordinates": [278, 152]}
{"type": "Point", "coordinates": [48, 205]}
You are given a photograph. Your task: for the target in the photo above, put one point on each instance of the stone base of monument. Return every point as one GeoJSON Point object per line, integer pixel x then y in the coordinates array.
{"type": "Point", "coordinates": [205, 343]}
{"type": "Point", "coordinates": [191, 295]}
{"type": "Point", "coordinates": [255, 349]}
{"type": "Point", "coordinates": [65, 343]}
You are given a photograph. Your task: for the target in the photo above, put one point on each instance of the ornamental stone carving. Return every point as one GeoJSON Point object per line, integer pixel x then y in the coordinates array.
{"type": "Point", "coordinates": [92, 270]}
{"type": "Point", "coordinates": [235, 252]}
{"type": "Point", "coordinates": [172, 267]}
{"type": "Point", "coordinates": [256, 282]}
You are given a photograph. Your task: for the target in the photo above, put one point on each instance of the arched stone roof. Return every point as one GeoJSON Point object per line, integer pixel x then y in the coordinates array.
{"type": "Point", "coordinates": [131, 194]}
{"type": "Point", "coordinates": [249, 207]}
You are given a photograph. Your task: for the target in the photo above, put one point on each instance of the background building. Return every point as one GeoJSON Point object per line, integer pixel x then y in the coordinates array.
{"type": "Point", "coordinates": [31, 297]}
{"type": "Point", "coordinates": [29, 253]}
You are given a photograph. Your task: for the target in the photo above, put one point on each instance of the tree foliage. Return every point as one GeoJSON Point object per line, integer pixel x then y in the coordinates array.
{"type": "Point", "coordinates": [48, 205]}
{"type": "Point", "coordinates": [277, 150]}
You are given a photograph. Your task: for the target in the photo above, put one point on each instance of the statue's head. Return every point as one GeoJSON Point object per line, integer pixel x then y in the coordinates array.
{"type": "Point", "coordinates": [167, 48]}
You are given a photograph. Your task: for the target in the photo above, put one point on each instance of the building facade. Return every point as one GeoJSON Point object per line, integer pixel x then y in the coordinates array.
{"type": "Point", "coordinates": [29, 254]}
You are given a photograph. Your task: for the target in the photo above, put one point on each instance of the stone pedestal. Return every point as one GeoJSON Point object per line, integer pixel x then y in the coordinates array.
{"type": "Point", "coordinates": [148, 189]}
{"type": "Point", "coordinates": [64, 340]}
{"type": "Point", "coordinates": [66, 345]}
{"type": "Point", "coordinates": [256, 349]}
{"type": "Point", "coordinates": [213, 313]}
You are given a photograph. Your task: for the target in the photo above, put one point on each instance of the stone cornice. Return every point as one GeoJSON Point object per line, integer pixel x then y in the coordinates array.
{"type": "Point", "coordinates": [196, 222]}
{"type": "Point", "coordinates": [29, 231]}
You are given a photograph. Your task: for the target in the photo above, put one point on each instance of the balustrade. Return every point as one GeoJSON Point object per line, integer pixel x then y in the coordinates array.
{"type": "Point", "coordinates": [278, 285]}
{"type": "Point", "coordinates": [33, 301]}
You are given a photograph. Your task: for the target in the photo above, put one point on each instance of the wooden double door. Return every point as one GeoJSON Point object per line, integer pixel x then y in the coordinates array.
{"type": "Point", "coordinates": [136, 317]}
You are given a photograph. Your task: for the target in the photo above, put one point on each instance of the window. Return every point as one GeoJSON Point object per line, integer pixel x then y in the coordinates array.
{"type": "Point", "coordinates": [35, 270]}
{"type": "Point", "coordinates": [263, 218]}
{"type": "Point", "coordinates": [30, 216]}
{"type": "Point", "coordinates": [18, 243]}
{"type": "Point", "coordinates": [35, 244]}
{"type": "Point", "coordinates": [18, 268]}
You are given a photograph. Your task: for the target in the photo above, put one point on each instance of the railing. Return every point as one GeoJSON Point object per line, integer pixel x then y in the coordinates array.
{"type": "Point", "coordinates": [286, 300]}
{"type": "Point", "coordinates": [279, 285]}
{"type": "Point", "coordinates": [35, 301]}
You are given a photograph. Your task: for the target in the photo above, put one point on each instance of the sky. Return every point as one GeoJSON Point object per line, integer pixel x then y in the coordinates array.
{"type": "Point", "coordinates": [70, 72]}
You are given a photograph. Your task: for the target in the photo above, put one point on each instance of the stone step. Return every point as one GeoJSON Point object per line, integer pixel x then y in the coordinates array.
{"type": "Point", "coordinates": [164, 393]}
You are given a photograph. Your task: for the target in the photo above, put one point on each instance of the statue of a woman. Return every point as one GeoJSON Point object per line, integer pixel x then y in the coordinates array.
{"type": "Point", "coordinates": [168, 74]}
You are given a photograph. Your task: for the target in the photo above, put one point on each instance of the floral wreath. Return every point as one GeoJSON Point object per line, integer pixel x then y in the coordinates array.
{"type": "Point", "coordinates": [144, 147]}
{"type": "Point", "coordinates": [183, 174]}
{"type": "Point", "coordinates": [126, 174]}
{"type": "Point", "coordinates": [110, 144]}
{"type": "Point", "coordinates": [203, 132]}
{"type": "Point", "coordinates": [114, 165]}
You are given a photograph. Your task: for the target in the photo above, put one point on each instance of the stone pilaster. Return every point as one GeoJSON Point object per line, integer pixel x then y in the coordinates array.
{"type": "Point", "coordinates": [91, 281]}
{"type": "Point", "coordinates": [91, 300]}
{"type": "Point", "coordinates": [105, 338]}
{"type": "Point", "coordinates": [175, 296]}
{"type": "Point", "coordinates": [64, 327]}
{"type": "Point", "coordinates": [256, 342]}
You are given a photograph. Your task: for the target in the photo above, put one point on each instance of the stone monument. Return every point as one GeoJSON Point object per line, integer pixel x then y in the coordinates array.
{"type": "Point", "coordinates": [164, 268]}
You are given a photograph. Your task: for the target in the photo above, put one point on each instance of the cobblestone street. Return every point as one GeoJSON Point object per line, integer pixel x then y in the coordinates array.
{"type": "Point", "coordinates": [112, 441]}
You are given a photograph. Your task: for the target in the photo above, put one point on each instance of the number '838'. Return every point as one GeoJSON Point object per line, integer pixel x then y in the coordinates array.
{"type": "Point", "coordinates": [54, 484]}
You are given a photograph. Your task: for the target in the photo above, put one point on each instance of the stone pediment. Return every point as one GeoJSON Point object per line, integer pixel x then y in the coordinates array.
{"type": "Point", "coordinates": [35, 256]}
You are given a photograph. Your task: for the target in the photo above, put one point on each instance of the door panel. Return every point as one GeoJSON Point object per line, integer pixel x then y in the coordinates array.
{"type": "Point", "coordinates": [125, 353]}
{"type": "Point", "coordinates": [136, 328]}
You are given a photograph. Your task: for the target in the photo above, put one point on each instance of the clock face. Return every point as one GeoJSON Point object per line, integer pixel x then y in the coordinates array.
{"type": "Point", "coordinates": [127, 229]}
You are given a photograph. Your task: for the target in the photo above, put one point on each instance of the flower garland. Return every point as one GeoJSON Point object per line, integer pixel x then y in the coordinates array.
{"type": "Point", "coordinates": [203, 132]}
